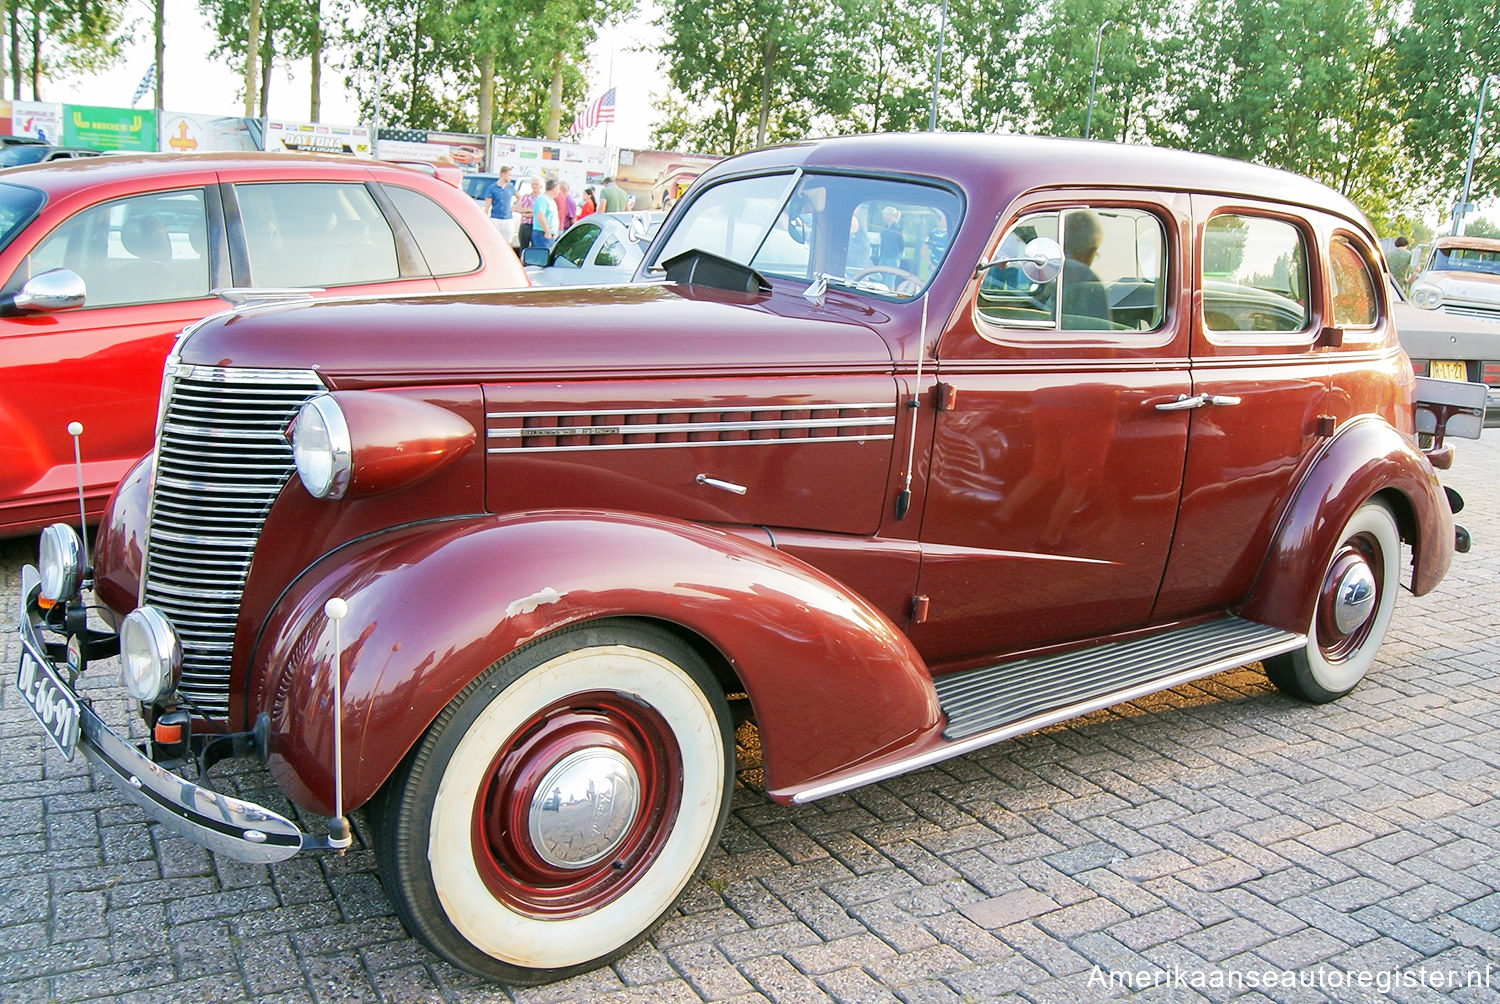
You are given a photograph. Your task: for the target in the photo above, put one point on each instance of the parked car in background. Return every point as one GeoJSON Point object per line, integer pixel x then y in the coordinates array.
{"type": "Point", "coordinates": [526, 551]}
{"type": "Point", "coordinates": [474, 185]}
{"type": "Point", "coordinates": [40, 152]}
{"type": "Point", "coordinates": [1452, 347]}
{"type": "Point", "coordinates": [1461, 277]}
{"type": "Point", "coordinates": [598, 248]}
{"type": "Point", "coordinates": [106, 260]}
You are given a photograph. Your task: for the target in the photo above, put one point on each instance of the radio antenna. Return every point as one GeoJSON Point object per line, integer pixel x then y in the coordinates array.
{"type": "Point", "coordinates": [75, 429]}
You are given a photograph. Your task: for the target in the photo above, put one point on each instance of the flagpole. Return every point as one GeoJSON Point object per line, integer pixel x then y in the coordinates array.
{"type": "Point", "coordinates": [611, 83]}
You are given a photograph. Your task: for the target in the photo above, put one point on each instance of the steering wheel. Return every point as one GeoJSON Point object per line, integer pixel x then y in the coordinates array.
{"type": "Point", "coordinates": [906, 283]}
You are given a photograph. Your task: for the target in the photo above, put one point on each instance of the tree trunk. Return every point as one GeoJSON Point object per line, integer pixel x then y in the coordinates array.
{"type": "Point", "coordinates": [315, 99]}
{"type": "Point", "coordinates": [15, 54]}
{"type": "Point", "coordinates": [161, 50]}
{"type": "Point", "coordinates": [267, 58]}
{"type": "Point", "coordinates": [36, 55]}
{"type": "Point", "coordinates": [5, 18]}
{"type": "Point", "coordinates": [486, 91]}
{"type": "Point", "coordinates": [252, 51]}
{"type": "Point", "coordinates": [769, 57]}
{"type": "Point", "coordinates": [554, 100]}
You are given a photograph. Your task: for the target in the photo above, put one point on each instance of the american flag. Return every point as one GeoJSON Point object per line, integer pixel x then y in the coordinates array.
{"type": "Point", "coordinates": [602, 110]}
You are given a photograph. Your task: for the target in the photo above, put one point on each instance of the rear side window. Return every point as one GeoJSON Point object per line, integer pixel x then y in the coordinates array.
{"type": "Point", "coordinates": [573, 247]}
{"type": "Point", "coordinates": [444, 244]}
{"type": "Point", "coordinates": [1113, 276]}
{"type": "Point", "coordinates": [315, 234]}
{"type": "Point", "coordinates": [1254, 275]}
{"type": "Point", "coordinates": [144, 249]}
{"type": "Point", "coordinates": [1354, 303]}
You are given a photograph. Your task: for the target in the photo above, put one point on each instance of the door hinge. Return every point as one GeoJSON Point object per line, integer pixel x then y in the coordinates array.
{"type": "Point", "coordinates": [919, 606]}
{"type": "Point", "coordinates": [947, 396]}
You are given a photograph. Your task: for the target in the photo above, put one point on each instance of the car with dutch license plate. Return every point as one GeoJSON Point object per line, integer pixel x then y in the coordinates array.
{"type": "Point", "coordinates": [1454, 331]}
{"type": "Point", "coordinates": [102, 262]}
{"type": "Point", "coordinates": [899, 446]}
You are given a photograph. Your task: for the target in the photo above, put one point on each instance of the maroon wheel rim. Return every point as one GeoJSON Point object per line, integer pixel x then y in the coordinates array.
{"type": "Point", "coordinates": [1336, 645]}
{"type": "Point", "coordinates": [512, 868]}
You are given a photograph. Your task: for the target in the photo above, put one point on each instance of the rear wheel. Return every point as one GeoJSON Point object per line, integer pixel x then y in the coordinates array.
{"type": "Point", "coordinates": [1355, 601]}
{"type": "Point", "coordinates": [561, 804]}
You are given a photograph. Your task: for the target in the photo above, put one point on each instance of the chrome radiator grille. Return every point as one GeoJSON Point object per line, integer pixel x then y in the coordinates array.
{"type": "Point", "coordinates": [221, 461]}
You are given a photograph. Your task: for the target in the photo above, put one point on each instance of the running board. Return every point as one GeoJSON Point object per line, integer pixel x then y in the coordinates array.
{"type": "Point", "coordinates": [993, 703]}
{"type": "Point", "coordinates": [979, 700]}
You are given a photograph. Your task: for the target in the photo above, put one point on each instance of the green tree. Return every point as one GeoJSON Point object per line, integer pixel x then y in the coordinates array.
{"type": "Point", "coordinates": [747, 72]}
{"type": "Point", "coordinates": [1478, 226]}
{"type": "Point", "coordinates": [67, 39]}
{"type": "Point", "coordinates": [288, 30]}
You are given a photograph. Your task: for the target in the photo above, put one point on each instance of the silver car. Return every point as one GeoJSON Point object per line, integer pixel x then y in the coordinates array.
{"type": "Point", "coordinates": [600, 248]}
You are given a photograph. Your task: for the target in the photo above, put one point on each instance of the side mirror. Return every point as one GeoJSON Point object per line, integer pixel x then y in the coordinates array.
{"type": "Point", "coordinates": [1041, 261]}
{"type": "Point", "coordinates": [52, 291]}
{"type": "Point", "coordinates": [535, 257]}
{"type": "Point", "coordinates": [639, 231]}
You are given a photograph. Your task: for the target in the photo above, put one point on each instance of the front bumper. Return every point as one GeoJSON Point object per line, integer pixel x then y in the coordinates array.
{"type": "Point", "coordinates": [219, 822]}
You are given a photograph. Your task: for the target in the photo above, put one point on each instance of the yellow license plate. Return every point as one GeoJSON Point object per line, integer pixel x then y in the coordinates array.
{"type": "Point", "coordinates": [1447, 369]}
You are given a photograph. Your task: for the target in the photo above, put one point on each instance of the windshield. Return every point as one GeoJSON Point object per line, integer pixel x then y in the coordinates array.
{"type": "Point", "coordinates": [17, 206]}
{"type": "Point", "coordinates": [1466, 260]}
{"type": "Point", "coordinates": [886, 236]}
{"type": "Point", "coordinates": [22, 153]}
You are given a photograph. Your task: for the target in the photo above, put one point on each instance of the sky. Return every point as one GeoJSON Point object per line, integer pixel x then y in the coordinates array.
{"type": "Point", "coordinates": [200, 84]}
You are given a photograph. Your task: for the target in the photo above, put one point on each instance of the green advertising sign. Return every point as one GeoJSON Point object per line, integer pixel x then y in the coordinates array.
{"type": "Point", "coordinates": [109, 128]}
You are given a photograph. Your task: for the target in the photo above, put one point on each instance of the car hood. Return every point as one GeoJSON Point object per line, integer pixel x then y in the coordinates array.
{"type": "Point", "coordinates": [1477, 286]}
{"type": "Point", "coordinates": [628, 330]}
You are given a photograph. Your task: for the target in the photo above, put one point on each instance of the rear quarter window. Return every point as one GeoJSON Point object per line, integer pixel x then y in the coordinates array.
{"type": "Point", "coordinates": [444, 244]}
{"type": "Point", "coordinates": [1354, 299]}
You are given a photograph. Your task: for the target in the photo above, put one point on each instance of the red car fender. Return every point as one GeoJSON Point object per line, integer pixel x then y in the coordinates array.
{"type": "Point", "coordinates": [831, 680]}
{"type": "Point", "coordinates": [1367, 458]}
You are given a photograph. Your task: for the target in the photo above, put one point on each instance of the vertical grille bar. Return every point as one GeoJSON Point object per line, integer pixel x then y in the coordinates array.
{"type": "Point", "coordinates": [221, 460]}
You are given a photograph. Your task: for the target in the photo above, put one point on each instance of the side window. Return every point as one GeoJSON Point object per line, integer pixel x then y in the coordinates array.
{"type": "Point", "coordinates": [574, 246]}
{"type": "Point", "coordinates": [445, 246]}
{"type": "Point", "coordinates": [1254, 275]}
{"type": "Point", "coordinates": [1113, 276]}
{"type": "Point", "coordinates": [315, 234]}
{"type": "Point", "coordinates": [1354, 303]}
{"type": "Point", "coordinates": [611, 252]}
{"type": "Point", "coordinates": [144, 249]}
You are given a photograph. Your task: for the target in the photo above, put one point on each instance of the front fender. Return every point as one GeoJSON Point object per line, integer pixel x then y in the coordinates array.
{"type": "Point", "coordinates": [1367, 457]}
{"type": "Point", "coordinates": [831, 680]}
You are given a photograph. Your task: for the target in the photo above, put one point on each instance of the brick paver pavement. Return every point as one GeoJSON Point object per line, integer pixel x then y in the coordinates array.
{"type": "Point", "coordinates": [1214, 830]}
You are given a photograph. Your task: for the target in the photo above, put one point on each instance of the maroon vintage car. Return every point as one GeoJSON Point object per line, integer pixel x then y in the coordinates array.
{"type": "Point", "coordinates": [906, 445]}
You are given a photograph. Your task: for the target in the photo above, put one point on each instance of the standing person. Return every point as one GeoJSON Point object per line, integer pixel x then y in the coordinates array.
{"type": "Point", "coordinates": [567, 208]}
{"type": "Point", "coordinates": [497, 202]}
{"type": "Point", "coordinates": [544, 218]}
{"type": "Point", "coordinates": [524, 206]}
{"type": "Point", "coordinates": [1399, 262]}
{"type": "Point", "coordinates": [612, 198]}
{"type": "Point", "coordinates": [892, 241]}
{"type": "Point", "coordinates": [588, 206]}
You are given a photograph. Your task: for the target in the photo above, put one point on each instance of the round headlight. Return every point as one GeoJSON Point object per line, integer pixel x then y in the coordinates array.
{"type": "Point", "coordinates": [150, 654]}
{"type": "Point", "coordinates": [321, 448]}
{"type": "Point", "coordinates": [1427, 297]}
{"type": "Point", "coordinates": [60, 557]}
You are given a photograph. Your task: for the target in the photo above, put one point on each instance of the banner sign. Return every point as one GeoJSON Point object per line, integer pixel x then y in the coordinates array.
{"type": "Point", "coordinates": [109, 128]}
{"type": "Point", "coordinates": [184, 133]}
{"type": "Point", "coordinates": [37, 119]}
{"type": "Point", "coordinates": [316, 137]}
{"type": "Point", "coordinates": [575, 163]}
{"type": "Point", "coordinates": [656, 176]}
{"type": "Point", "coordinates": [462, 150]}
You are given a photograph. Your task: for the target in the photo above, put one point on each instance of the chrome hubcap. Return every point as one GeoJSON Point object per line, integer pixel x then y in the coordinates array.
{"type": "Point", "coordinates": [1354, 598]}
{"type": "Point", "coordinates": [584, 807]}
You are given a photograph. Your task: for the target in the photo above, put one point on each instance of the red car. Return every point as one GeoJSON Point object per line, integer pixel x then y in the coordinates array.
{"type": "Point", "coordinates": [143, 241]}
{"type": "Point", "coordinates": [915, 444]}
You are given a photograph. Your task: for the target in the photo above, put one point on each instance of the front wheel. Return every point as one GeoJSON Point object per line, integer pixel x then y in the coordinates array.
{"type": "Point", "coordinates": [560, 804]}
{"type": "Point", "coordinates": [1355, 601]}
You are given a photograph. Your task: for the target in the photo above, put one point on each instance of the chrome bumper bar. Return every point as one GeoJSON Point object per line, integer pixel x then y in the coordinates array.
{"type": "Point", "coordinates": [221, 823]}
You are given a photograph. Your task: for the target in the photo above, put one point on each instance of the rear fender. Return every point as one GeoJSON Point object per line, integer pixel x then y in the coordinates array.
{"type": "Point", "coordinates": [831, 680]}
{"type": "Point", "coordinates": [1367, 458]}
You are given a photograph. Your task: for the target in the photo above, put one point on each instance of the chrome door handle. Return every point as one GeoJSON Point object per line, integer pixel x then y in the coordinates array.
{"type": "Point", "coordinates": [728, 486]}
{"type": "Point", "coordinates": [1184, 403]}
{"type": "Point", "coordinates": [1222, 400]}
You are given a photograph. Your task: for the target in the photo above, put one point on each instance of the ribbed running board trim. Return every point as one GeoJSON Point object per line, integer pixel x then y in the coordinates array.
{"type": "Point", "coordinates": [979, 700]}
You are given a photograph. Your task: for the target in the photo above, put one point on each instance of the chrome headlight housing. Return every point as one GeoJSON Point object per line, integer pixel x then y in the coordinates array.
{"type": "Point", "coordinates": [60, 559]}
{"type": "Point", "coordinates": [150, 654]}
{"type": "Point", "coordinates": [321, 448]}
{"type": "Point", "coordinates": [1427, 297]}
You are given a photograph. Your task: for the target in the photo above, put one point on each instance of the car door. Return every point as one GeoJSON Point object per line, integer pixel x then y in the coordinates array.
{"type": "Point", "coordinates": [1055, 469]}
{"type": "Point", "coordinates": [1256, 363]}
{"type": "Point", "coordinates": [148, 262]}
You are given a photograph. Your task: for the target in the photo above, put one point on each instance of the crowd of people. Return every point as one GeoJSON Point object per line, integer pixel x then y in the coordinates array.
{"type": "Point", "coordinates": [536, 218]}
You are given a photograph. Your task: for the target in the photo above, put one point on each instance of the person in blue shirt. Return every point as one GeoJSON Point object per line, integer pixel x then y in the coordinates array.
{"type": "Point", "coordinates": [497, 201]}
